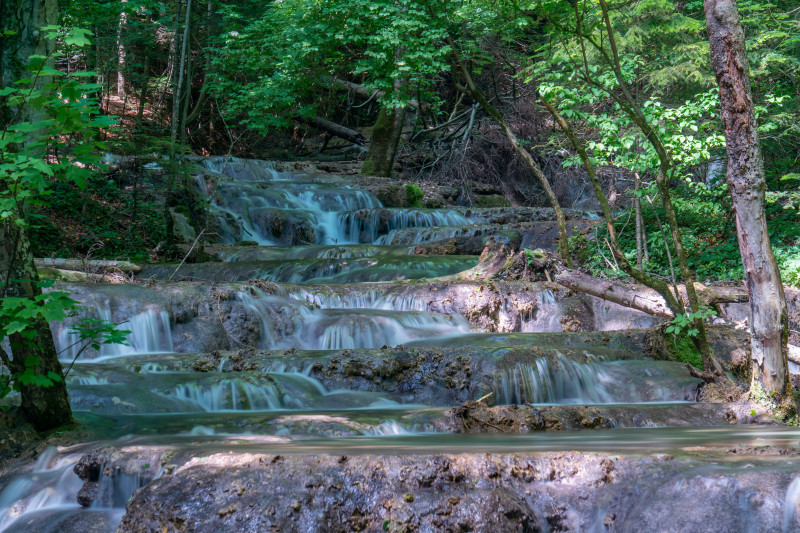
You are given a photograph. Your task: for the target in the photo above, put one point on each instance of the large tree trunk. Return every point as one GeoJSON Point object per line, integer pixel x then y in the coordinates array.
{"type": "Point", "coordinates": [648, 301]}
{"type": "Point", "coordinates": [20, 38]}
{"type": "Point", "coordinates": [383, 142]}
{"type": "Point", "coordinates": [44, 407]}
{"type": "Point", "coordinates": [769, 319]}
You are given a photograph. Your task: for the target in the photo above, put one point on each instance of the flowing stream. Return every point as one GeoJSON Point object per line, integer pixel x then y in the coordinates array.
{"type": "Point", "coordinates": [346, 345]}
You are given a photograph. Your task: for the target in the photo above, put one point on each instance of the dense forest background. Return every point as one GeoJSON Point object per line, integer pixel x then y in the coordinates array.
{"type": "Point", "coordinates": [257, 79]}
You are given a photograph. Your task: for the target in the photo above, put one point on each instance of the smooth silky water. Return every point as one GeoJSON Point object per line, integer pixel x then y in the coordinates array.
{"type": "Point", "coordinates": [321, 234]}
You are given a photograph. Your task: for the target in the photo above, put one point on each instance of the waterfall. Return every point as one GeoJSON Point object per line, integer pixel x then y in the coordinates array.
{"type": "Point", "coordinates": [561, 381]}
{"type": "Point", "coordinates": [250, 210]}
{"type": "Point", "coordinates": [369, 299]}
{"type": "Point", "coordinates": [50, 486]}
{"type": "Point", "coordinates": [294, 323]}
{"type": "Point", "coordinates": [367, 224]}
{"type": "Point", "coordinates": [150, 332]}
{"type": "Point", "coordinates": [419, 235]}
{"type": "Point", "coordinates": [230, 395]}
{"type": "Point", "coordinates": [790, 506]}
{"type": "Point", "coordinates": [545, 318]}
{"type": "Point", "coordinates": [243, 169]}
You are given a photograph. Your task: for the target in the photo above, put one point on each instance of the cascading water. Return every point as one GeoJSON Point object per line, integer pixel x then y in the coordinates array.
{"type": "Point", "coordinates": [367, 225]}
{"type": "Point", "coordinates": [288, 213]}
{"type": "Point", "coordinates": [545, 318]}
{"type": "Point", "coordinates": [50, 487]}
{"type": "Point", "coordinates": [289, 323]}
{"type": "Point", "coordinates": [243, 169]}
{"type": "Point", "coordinates": [790, 505]}
{"type": "Point", "coordinates": [150, 332]}
{"type": "Point", "coordinates": [371, 299]}
{"type": "Point", "coordinates": [229, 395]}
{"type": "Point", "coordinates": [558, 381]}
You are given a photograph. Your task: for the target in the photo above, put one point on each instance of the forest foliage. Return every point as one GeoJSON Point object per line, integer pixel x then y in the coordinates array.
{"type": "Point", "coordinates": [252, 69]}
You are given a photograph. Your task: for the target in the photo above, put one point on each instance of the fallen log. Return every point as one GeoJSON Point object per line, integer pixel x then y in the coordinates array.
{"type": "Point", "coordinates": [643, 298]}
{"type": "Point", "coordinates": [87, 265]}
{"type": "Point", "coordinates": [334, 129]}
{"type": "Point", "coordinates": [359, 90]}
{"type": "Point", "coordinates": [71, 276]}
{"type": "Point", "coordinates": [639, 297]}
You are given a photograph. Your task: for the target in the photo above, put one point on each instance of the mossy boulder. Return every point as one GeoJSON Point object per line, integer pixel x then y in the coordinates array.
{"type": "Point", "coordinates": [392, 195]}
{"type": "Point", "coordinates": [396, 195]}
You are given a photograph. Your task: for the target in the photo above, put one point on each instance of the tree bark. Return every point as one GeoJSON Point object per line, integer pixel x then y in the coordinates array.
{"type": "Point", "coordinates": [143, 93]}
{"type": "Point", "coordinates": [383, 142]}
{"type": "Point", "coordinates": [181, 64]}
{"type": "Point", "coordinates": [44, 407]}
{"type": "Point", "coordinates": [20, 38]}
{"type": "Point", "coordinates": [769, 323]}
{"type": "Point", "coordinates": [639, 222]}
{"type": "Point", "coordinates": [198, 106]}
{"type": "Point", "coordinates": [121, 55]}
{"type": "Point", "coordinates": [640, 297]}
{"type": "Point", "coordinates": [636, 298]}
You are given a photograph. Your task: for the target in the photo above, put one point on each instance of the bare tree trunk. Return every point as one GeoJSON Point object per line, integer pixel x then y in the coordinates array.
{"type": "Point", "coordinates": [143, 93]}
{"type": "Point", "coordinates": [637, 208]}
{"type": "Point", "coordinates": [187, 94]}
{"type": "Point", "coordinates": [563, 243]}
{"type": "Point", "coordinates": [198, 106]}
{"type": "Point", "coordinates": [383, 142]}
{"type": "Point", "coordinates": [769, 323]}
{"type": "Point", "coordinates": [181, 64]}
{"type": "Point", "coordinates": [638, 297]}
{"type": "Point", "coordinates": [121, 56]}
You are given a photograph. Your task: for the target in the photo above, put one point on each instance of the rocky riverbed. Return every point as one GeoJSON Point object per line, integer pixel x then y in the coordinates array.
{"type": "Point", "coordinates": [337, 364]}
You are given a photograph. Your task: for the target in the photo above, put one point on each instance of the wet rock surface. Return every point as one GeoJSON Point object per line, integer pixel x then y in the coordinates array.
{"type": "Point", "coordinates": [478, 492]}
{"type": "Point", "coordinates": [478, 417]}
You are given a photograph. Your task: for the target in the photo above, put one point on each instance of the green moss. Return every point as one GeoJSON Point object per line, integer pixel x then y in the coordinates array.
{"type": "Point", "coordinates": [682, 349]}
{"type": "Point", "coordinates": [414, 195]}
{"type": "Point", "coordinates": [494, 200]}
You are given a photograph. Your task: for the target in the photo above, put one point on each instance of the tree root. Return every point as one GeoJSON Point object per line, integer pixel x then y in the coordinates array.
{"type": "Point", "coordinates": [708, 377]}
